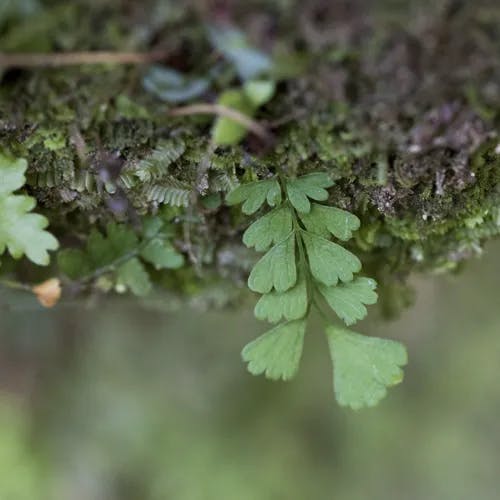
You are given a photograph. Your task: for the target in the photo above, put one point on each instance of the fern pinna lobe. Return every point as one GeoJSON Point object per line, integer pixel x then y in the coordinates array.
{"type": "Point", "coordinates": [303, 268]}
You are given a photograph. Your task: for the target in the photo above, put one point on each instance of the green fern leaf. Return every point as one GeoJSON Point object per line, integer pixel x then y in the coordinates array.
{"type": "Point", "coordinates": [277, 353]}
{"type": "Point", "coordinates": [364, 366]}
{"type": "Point", "coordinates": [254, 194]}
{"type": "Point", "coordinates": [328, 261]}
{"type": "Point", "coordinates": [11, 174]}
{"type": "Point", "coordinates": [290, 305]}
{"type": "Point", "coordinates": [325, 221]}
{"type": "Point", "coordinates": [74, 263]}
{"type": "Point", "coordinates": [51, 177]}
{"type": "Point", "coordinates": [162, 255]}
{"type": "Point", "coordinates": [100, 251]}
{"type": "Point", "coordinates": [21, 232]}
{"type": "Point", "coordinates": [133, 276]}
{"type": "Point", "coordinates": [270, 229]}
{"type": "Point", "coordinates": [118, 254]}
{"type": "Point", "coordinates": [308, 186]}
{"type": "Point", "coordinates": [120, 241]}
{"type": "Point", "coordinates": [348, 299]}
{"type": "Point", "coordinates": [276, 269]}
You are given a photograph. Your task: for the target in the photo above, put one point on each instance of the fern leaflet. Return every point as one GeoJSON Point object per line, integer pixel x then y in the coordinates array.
{"type": "Point", "coordinates": [170, 192]}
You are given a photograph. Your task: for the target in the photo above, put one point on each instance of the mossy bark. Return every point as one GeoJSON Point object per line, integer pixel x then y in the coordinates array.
{"type": "Point", "coordinates": [400, 102]}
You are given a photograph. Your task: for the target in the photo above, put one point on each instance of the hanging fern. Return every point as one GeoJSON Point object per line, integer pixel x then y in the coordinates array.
{"type": "Point", "coordinates": [303, 269]}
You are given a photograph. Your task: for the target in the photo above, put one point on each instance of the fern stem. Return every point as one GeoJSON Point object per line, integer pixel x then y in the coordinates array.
{"type": "Point", "coordinates": [15, 285]}
{"type": "Point", "coordinates": [304, 268]}
{"type": "Point", "coordinates": [117, 262]}
{"type": "Point", "coordinates": [111, 266]}
{"type": "Point", "coordinates": [322, 313]}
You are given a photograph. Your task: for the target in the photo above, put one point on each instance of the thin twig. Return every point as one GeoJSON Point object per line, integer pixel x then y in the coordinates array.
{"type": "Point", "coordinates": [220, 110]}
{"type": "Point", "coordinates": [27, 60]}
{"type": "Point", "coordinates": [15, 285]}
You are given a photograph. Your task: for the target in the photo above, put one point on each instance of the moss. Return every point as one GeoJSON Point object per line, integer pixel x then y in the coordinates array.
{"type": "Point", "coordinates": [403, 118]}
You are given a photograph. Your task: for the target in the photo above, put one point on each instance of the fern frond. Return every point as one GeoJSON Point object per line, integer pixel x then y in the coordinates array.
{"type": "Point", "coordinates": [47, 179]}
{"type": "Point", "coordinates": [223, 182]}
{"type": "Point", "coordinates": [303, 268]}
{"type": "Point", "coordinates": [156, 165]}
{"type": "Point", "coordinates": [169, 192]}
{"type": "Point", "coordinates": [128, 180]}
{"type": "Point", "coordinates": [82, 181]}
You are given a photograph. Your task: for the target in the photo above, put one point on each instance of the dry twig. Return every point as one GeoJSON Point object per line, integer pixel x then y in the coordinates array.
{"type": "Point", "coordinates": [30, 60]}
{"type": "Point", "coordinates": [232, 114]}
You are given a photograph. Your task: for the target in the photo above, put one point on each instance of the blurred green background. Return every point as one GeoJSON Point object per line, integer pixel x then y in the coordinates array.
{"type": "Point", "coordinates": [117, 401]}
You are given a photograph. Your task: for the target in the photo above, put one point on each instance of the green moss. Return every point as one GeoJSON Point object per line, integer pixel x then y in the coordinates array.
{"type": "Point", "coordinates": [418, 164]}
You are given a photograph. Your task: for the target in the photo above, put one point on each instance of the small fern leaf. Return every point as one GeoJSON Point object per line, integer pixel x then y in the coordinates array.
{"type": "Point", "coordinates": [270, 229]}
{"type": "Point", "coordinates": [277, 352]}
{"type": "Point", "coordinates": [134, 277]}
{"type": "Point", "coordinates": [21, 232]}
{"type": "Point", "coordinates": [162, 254]}
{"type": "Point", "coordinates": [348, 299]}
{"type": "Point", "coordinates": [277, 269]}
{"type": "Point", "coordinates": [290, 305]}
{"type": "Point", "coordinates": [170, 192]}
{"type": "Point", "coordinates": [328, 261]}
{"type": "Point", "coordinates": [254, 194]}
{"type": "Point", "coordinates": [308, 186]}
{"type": "Point", "coordinates": [364, 366]}
{"type": "Point", "coordinates": [325, 221]}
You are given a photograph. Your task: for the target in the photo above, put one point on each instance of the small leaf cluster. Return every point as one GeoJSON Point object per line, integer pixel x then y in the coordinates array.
{"type": "Point", "coordinates": [302, 268]}
{"type": "Point", "coordinates": [21, 232]}
{"type": "Point", "coordinates": [122, 256]}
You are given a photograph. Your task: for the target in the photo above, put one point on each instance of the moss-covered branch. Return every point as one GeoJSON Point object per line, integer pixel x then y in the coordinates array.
{"type": "Point", "coordinates": [400, 105]}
